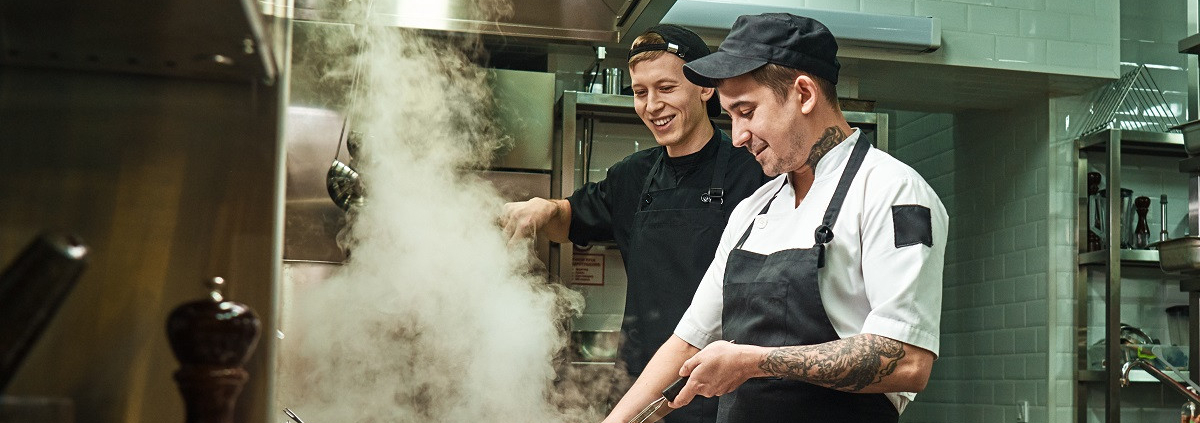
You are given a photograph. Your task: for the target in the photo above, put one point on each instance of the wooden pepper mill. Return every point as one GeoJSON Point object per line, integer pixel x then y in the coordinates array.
{"type": "Point", "coordinates": [212, 338]}
{"type": "Point", "coordinates": [1141, 232]}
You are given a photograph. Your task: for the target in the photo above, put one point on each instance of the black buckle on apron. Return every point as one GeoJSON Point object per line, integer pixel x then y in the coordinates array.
{"type": "Point", "coordinates": [713, 194]}
{"type": "Point", "coordinates": [823, 235]}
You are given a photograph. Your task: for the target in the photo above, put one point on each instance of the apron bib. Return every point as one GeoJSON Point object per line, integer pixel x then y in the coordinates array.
{"type": "Point", "coordinates": [665, 263]}
{"type": "Point", "coordinates": [775, 300]}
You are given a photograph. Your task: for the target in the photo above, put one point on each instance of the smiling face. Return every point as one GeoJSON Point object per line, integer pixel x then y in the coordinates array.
{"type": "Point", "coordinates": [772, 128]}
{"type": "Point", "coordinates": [671, 106]}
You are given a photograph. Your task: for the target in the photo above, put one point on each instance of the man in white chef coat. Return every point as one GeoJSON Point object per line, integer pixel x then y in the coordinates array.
{"type": "Point", "coordinates": [823, 302]}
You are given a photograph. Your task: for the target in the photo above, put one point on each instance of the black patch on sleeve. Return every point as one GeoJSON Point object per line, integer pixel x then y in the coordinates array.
{"type": "Point", "coordinates": [912, 225]}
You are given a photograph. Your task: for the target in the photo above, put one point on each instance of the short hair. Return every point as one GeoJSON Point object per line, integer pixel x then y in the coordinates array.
{"type": "Point", "coordinates": [647, 38]}
{"type": "Point", "coordinates": [779, 79]}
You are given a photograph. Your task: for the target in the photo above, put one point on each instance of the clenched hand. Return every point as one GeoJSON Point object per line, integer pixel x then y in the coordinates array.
{"type": "Point", "coordinates": [523, 219]}
{"type": "Point", "coordinates": [718, 369]}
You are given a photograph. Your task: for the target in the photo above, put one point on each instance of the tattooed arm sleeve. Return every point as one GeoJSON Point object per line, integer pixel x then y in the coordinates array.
{"type": "Point", "coordinates": [864, 363]}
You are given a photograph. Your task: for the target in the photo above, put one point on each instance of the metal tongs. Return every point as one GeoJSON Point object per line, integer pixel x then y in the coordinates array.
{"type": "Point", "coordinates": [659, 408]}
{"type": "Point", "coordinates": [292, 415]}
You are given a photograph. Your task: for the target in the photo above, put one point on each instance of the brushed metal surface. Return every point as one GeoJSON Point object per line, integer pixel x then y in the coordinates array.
{"type": "Point", "coordinates": [525, 112]}
{"type": "Point", "coordinates": [170, 181]}
{"type": "Point", "coordinates": [311, 219]}
{"type": "Point", "coordinates": [580, 21]}
{"type": "Point", "coordinates": [220, 39]}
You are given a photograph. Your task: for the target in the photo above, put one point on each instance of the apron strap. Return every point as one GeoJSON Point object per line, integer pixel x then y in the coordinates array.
{"type": "Point", "coordinates": [715, 196]}
{"type": "Point", "coordinates": [746, 235]}
{"type": "Point", "coordinates": [645, 194]}
{"type": "Point", "coordinates": [824, 233]}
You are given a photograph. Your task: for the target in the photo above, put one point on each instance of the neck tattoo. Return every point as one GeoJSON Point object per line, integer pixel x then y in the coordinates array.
{"type": "Point", "coordinates": [831, 138]}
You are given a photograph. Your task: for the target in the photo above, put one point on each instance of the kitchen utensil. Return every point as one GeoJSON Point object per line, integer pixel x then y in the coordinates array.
{"type": "Point", "coordinates": [343, 184]}
{"type": "Point", "coordinates": [614, 78]}
{"type": "Point", "coordinates": [341, 180]}
{"type": "Point", "coordinates": [1141, 232]}
{"type": "Point", "coordinates": [1191, 136]}
{"type": "Point", "coordinates": [31, 290]}
{"type": "Point", "coordinates": [1126, 216]}
{"type": "Point", "coordinates": [659, 408]}
{"type": "Point", "coordinates": [212, 338]}
{"type": "Point", "coordinates": [292, 415]}
{"type": "Point", "coordinates": [1180, 254]}
{"type": "Point", "coordinates": [1094, 229]}
{"type": "Point", "coordinates": [1177, 324]}
{"type": "Point", "coordinates": [1162, 218]}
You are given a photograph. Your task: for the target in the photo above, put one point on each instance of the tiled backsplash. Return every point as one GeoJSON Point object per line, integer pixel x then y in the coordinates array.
{"type": "Point", "coordinates": [1072, 37]}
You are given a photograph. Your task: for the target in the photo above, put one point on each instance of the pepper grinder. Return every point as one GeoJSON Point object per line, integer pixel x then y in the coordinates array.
{"type": "Point", "coordinates": [1141, 232]}
{"type": "Point", "coordinates": [212, 338]}
{"type": "Point", "coordinates": [1094, 228]}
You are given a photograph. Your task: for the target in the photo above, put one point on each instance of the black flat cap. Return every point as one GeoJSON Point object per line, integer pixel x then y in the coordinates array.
{"type": "Point", "coordinates": [781, 38]}
{"type": "Point", "coordinates": [685, 44]}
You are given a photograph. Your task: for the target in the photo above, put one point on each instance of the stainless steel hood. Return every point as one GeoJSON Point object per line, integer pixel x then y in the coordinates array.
{"type": "Point", "coordinates": [222, 39]}
{"type": "Point", "coordinates": [576, 21]}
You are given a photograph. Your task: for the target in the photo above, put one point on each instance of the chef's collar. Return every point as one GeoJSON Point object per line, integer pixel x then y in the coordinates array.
{"type": "Point", "coordinates": [834, 158]}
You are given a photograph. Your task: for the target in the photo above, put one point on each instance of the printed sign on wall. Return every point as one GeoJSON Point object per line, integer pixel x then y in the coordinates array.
{"type": "Point", "coordinates": [589, 269]}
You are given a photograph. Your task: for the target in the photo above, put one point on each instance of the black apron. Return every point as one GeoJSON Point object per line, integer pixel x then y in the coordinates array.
{"type": "Point", "coordinates": [775, 300]}
{"type": "Point", "coordinates": [671, 245]}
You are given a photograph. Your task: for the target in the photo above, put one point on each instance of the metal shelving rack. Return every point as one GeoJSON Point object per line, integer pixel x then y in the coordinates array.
{"type": "Point", "coordinates": [1113, 143]}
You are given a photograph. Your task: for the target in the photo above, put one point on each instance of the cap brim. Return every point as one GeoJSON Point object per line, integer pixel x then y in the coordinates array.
{"type": "Point", "coordinates": [706, 70]}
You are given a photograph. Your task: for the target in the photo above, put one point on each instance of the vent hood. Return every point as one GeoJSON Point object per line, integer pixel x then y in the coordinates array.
{"type": "Point", "coordinates": [712, 19]}
{"type": "Point", "coordinates": [573, 21]}
{"type": "Point", "coordinates": [214, 39]}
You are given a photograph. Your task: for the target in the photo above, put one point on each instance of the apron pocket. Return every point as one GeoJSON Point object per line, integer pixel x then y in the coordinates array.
{"type": "Point", "coordinates": [755, 313]}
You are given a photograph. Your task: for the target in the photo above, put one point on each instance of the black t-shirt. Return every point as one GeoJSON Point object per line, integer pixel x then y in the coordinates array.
{"type": "Point", "coordinates": [603, 211]}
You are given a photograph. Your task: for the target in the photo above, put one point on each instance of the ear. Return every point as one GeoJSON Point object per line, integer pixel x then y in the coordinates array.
{"type": "Point", "coordinates": [706, 93]}
{"type": "Point", "coordinates": [806, 91]}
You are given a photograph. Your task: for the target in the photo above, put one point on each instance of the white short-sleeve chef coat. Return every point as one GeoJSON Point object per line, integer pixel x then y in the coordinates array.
{"type": "Point", "coordinates": [868, 284]}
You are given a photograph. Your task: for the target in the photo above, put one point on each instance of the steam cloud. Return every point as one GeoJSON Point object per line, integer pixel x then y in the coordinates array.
{"type": "Point", "coordinates": [434, 318]}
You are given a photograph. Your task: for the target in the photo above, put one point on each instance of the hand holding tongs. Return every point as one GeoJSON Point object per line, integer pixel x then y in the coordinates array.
{"type": "Point", "coordinates": [659, 408]}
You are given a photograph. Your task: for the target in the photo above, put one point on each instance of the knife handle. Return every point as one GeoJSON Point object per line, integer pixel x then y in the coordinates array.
{"type": "Point", "coordinates": [673, 391]}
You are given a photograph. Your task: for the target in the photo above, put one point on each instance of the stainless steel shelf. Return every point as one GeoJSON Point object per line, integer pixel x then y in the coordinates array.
{"type": "Point", "coordinates": [1136, 375]}
{"type": "Point", "coordinates": [1190, 45]}
{"type": "Point", "coordinates": [1137, 258]}
{"type": "Point", "coordinates": [1136, 142]}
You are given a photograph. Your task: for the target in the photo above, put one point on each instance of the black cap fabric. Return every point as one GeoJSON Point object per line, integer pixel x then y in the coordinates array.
{"type": "Point", "coordinates": [784, 39]}
{"type": "Point", "coordinates": [685, 44]}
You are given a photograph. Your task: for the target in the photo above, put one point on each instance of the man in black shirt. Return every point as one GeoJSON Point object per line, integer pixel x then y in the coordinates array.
{"type": "Point", "coordinates": [665, 207]}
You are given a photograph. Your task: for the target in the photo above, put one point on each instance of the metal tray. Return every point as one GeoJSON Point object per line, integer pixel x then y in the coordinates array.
{"type": "Point", "coordinates": [1191, 136]}
{"type": "Point", "coordinates": [1179, 254]}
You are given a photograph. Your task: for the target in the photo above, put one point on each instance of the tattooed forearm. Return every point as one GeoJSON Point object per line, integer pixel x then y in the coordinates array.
{"type": "Point", "coordinates": [849, 364]}
{"type": "Point", "coordinates": [831, 138]}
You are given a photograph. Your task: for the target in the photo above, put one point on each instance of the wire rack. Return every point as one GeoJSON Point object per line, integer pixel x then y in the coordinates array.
{"type": "Point", "coordinates": [1133, 102]}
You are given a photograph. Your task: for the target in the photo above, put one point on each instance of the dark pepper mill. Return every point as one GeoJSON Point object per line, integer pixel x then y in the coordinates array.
{"type": "Point", "coordinates": [212, 338]}
{"type": "Point", "coordinates": [1093, 188]}
{"type": "Point", "coordinates": [1141, 232]}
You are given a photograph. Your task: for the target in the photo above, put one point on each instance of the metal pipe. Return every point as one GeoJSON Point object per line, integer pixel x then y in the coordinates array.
{"type": "Point", "coordinates": [1158, 374]}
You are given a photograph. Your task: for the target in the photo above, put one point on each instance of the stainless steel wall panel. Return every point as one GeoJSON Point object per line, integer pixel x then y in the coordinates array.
{"type": "Point", "coordinates": [525, 112]}
{"type": "Point", "coordinates": [168, 181]}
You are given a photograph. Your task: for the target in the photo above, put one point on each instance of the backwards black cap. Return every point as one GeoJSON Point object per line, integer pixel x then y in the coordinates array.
{"type": "Point", "coordinates": [784, 39]}
{"type": "Point", "coordinates": [687, 45]}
